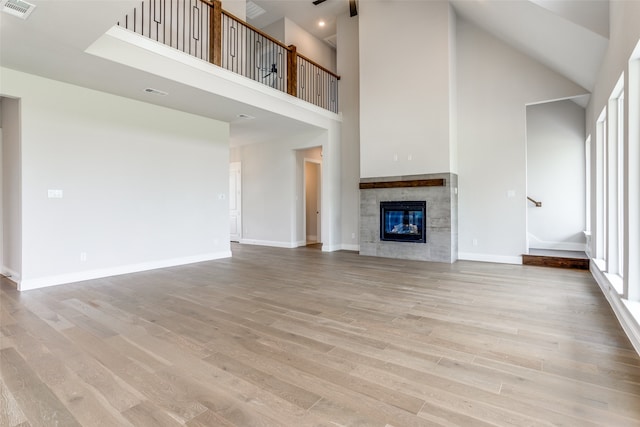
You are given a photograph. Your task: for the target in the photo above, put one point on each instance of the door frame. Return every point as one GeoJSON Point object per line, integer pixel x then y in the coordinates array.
{"type": "Point", "coordinates": [318, 164]}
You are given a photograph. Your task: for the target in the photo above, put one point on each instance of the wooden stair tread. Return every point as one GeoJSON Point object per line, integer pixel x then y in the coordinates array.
{"type": "Point", "coordinates": [576, 262]}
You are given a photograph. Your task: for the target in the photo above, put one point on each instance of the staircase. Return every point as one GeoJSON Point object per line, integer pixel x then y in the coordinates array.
{"type": "Point", "coordinates": [556, 258]}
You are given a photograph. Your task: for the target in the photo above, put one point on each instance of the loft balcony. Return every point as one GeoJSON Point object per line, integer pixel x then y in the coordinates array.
{"type": "Point", "coordinates": [201, 28]}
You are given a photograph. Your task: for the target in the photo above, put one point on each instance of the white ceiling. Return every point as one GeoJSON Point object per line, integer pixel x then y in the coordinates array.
{"type": "Point", "coordinates": [304, 13]}
{"type": "Point", "coordinates": [566, 35]}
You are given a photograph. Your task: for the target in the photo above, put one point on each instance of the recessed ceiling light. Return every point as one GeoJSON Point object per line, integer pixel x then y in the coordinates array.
{"type": "Point", "coordinates": [321, 23]}
{"type": "Point", "coordinates": [245, 116]}
{"type": "Point", "coordinates": [155, 91]}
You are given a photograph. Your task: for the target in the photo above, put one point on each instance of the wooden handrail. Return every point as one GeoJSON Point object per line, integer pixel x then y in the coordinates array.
{"type": "Point", "coordinates": [262, 33]}
{"type": "Point", "coordinates": [535, 202]}
{"type": "Point", "coordinates": [279, 43]}
{"type": "Point", "coordinates": [319, 66]}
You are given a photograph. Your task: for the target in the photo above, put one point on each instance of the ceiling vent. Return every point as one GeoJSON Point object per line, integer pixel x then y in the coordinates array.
{"type": "Point", "coordinates": [332, 41]}
{"type": "Point", "coordinates": [18, 8]}
{"type": "Point", "coordinates": [155, 91]}
{"type": "Point", "coordinates": [253, 10]}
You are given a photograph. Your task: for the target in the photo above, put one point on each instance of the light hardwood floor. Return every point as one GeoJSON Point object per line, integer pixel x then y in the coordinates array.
{"type": "Point", "coordinates": [297, 337]}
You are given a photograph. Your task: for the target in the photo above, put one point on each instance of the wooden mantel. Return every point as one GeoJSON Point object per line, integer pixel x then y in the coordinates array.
{"type": "Point", "coordinates": [436, 182]}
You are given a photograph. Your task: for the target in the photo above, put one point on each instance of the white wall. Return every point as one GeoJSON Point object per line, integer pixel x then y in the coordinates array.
{"type": "Point", "coordinates": [310, 46]}
{"type": "Point", "coordinates": [556, 175]}
{"type": "Point", "coordinates": [276, 30]}
{"type": "Point", "coordinates": [349, 105]}
{"type": "Point", "coordinates": [495, 83]}
{"type": "Point", "coordinates": [272, 190]}
{"type": "Point", "coordinates": [290, 33]}
{"type": "Point", "coordinates": [237, 8]}
{"type": "Point", "coordinates": [143, 186]}
{"type": "Point", "coordinates": [405, 74]}
{"type": "Point", "coordinates": [11, 185]}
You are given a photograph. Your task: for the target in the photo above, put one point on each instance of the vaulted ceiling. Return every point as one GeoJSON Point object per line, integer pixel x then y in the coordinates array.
{"type": "Point", "coordinates": [569, 36]}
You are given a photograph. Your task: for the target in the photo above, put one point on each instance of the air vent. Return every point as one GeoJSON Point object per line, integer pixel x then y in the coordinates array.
{"type": "Point", "coordinates": [332, 41]}
{"type": "Point", "coordinates": [18, 8]}
{"type": "Point", "coordinates": [253, 10]}
{"type": "Point", "coordinates": [155, 91]}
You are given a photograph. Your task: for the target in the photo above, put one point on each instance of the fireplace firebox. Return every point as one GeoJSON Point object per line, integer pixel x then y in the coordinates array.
{"type": "Point", "coordinates": [403, 221]}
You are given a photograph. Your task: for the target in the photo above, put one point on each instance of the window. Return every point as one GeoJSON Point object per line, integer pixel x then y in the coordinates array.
{"type": "Point", "coordinates": [601, 191]}
{"type": "Point", "coordinates": [620, 143]}
{"type": "Point", "coordinates": [614, 173]}
{"type": "Point", "coordinates": [587, 174]}
{"type": "Point", "coordinates": [632, 157]}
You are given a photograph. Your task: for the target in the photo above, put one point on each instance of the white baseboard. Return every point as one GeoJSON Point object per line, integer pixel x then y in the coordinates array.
{"type": "Point", "coordinates": [331, 248]}
{"type": "Point", "coordinates": [350, 247]}
{"type": "Point", "coordinates": [273, 243]}
{"type": "Point", "coordinates": [42, 282]}
{"type": "Point", "coordinates": [500, 259]}
{"type": "Point", "coordinates": [627, 312]}
{"type": "Point", "coordinates": [291, 245]}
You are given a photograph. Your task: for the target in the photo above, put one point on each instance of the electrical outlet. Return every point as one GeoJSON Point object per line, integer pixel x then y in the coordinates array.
{"type": "Point", "coordinates": [83, 257]}
{"type": "Point", "coordinates": [475, 242]}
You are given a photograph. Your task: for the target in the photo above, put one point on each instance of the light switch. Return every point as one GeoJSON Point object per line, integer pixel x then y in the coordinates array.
{"type": "Point", "coordinates": [511, 193]}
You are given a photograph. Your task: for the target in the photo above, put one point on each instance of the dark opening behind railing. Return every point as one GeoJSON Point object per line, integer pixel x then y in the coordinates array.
{"type": "Point", "coordinates": [192, 25]}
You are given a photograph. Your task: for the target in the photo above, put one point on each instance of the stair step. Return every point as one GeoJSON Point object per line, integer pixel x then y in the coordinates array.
{"type": "Point", "coordinates": [556, 261]}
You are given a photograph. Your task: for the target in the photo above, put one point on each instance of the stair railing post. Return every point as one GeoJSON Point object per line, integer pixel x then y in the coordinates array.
{"type": "Point", "coordinates": [215, 33]}
{"type": "Point", "coordinates": [292, 71]}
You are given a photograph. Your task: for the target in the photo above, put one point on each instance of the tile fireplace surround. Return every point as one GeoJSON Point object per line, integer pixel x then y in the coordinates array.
{"type": "Point", "coordinates": [440, 193]}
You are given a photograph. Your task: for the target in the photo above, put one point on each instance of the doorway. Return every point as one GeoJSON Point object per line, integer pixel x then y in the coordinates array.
{"type": "Point", "coordinates": [312, 201]}
{"type": "Point", "coordinates": [555, 177]}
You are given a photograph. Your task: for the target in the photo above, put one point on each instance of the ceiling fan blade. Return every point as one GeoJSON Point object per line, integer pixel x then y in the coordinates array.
{"type": "Point", "coordinates": [317, 2]}
{"type": "Point", "coordinates": [353, 9]}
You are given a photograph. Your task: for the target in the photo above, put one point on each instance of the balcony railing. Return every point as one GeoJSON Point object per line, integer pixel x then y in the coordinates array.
{"type": "Point", "coordinates": [202, 29]}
